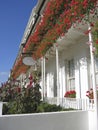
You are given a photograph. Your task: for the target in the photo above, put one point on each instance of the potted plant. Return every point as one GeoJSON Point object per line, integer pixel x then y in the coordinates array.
{"type": "Point", "coordinates": [70, 94]}
{"type": "Point", "coordinates": [90, 94]}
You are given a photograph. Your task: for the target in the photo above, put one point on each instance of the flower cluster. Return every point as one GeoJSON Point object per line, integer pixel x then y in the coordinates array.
{"type": "Point", "coordinates": [95, 37]}
{"type": "Point", "coordinates": [90, 94]}
{"type": "Point", "coordinates": [70, 94]}
{"type": "Point", "coordinates": [56, 21]}
{"type": "Point", "coordinates": [9, 90]}
{"type": "Point", "coordinates": [19, 68]}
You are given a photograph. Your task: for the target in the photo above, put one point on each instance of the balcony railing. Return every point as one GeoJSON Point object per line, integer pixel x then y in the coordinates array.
{"type": "Point", "coordinates": [79, 104]}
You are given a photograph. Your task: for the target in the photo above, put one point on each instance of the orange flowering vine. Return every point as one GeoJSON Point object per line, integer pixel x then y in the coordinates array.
{"type": "Point", "coordinates": [57, 19]}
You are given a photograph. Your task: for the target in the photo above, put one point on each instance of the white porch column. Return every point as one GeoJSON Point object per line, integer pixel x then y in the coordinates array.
{"type": "Point", "coordinates": [57, 70]}
{"type": "Point", "coordinates": [78, 77]}
{"type": "Point", "coordinates": [93, 77]}
{"type": "Point", "coordinates": [82, 78]}
{"type": "Point", "coordinates": [44, 71]}
{"type": "Point", "coordinates": [42, 67]}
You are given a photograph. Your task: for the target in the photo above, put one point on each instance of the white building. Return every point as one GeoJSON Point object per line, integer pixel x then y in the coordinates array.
{"type": "Point", "coordinates": [69, 64]}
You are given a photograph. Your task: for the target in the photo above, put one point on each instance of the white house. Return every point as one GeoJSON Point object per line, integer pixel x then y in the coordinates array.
{"type": "Point", "coordinates": [70, 64]}
{"type": "Point", "coordinates": [67, 61]}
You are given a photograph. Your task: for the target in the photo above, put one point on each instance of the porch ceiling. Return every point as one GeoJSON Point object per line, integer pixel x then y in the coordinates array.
{"type": "Point", "coordinates": [70, 38]}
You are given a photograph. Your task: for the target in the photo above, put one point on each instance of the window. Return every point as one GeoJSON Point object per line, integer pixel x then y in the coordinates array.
{"type": "Point", "coordinates": [71, 75]}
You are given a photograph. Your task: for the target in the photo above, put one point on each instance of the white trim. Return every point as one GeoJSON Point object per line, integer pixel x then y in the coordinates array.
{"type": "Point", "coordinates": [57, 69]}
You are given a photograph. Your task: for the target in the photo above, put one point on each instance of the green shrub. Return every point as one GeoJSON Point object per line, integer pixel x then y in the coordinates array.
{"type": "Point", "coordinates": [45, 107]}
{"type": "Point", "coordinates": [25, 102]}
{"type": "Point", "coordinates": [5, 109]}
{"type": "Point", "coordinates": [29, 101]}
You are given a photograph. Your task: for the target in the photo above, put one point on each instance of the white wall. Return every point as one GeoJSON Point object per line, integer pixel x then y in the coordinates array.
{"type": "Point", "coordinates": [1, 107]}
{"type": "Point", "coordinates": [92, 120]}
{"type": "Point", "coordinates": [46, 121]}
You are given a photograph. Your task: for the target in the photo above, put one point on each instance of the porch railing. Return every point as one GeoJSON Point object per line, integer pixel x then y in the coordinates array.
{"type": "Point", "coordinates": [79, 104]}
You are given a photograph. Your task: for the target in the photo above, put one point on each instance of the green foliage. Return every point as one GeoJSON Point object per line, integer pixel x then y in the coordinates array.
{"type": "Point", "coordinates": [5, 109]}
{"type": "Point", "coordinates": [25, 102]}
{"type": "Point", "coordinates": [95, 37]}
{"type": "Point", "coordinates": [45, 107]}
{"type": "Point", "coordinates": [13, 108]}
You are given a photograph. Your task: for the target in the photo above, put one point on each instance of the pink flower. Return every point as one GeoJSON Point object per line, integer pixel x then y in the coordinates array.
{"type": "Point", "coordinates": [93, 49]}
{"type": "Point", "coordinates": [89, 94]}
{"type": "Point", "coordinates": [97, 42]}
{"type": "Point", "coordinates": [92, 25]}
{"type": "Point", "coordinates": [87, 32]}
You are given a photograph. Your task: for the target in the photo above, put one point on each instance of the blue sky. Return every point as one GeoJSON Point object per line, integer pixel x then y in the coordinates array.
{"type": "Point", "coordinates": [14, 15]}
